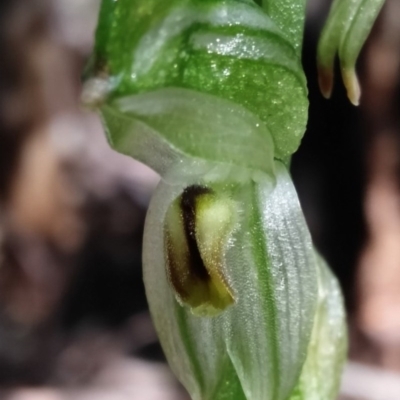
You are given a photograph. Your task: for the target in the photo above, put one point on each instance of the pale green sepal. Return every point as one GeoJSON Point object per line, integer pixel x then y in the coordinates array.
{"type": "Point", "coordinates": [321, 374]}
{"type": "Point", "coordinates": [261, 340]}
{"type": "Point", "coordinates": [165, 127]}
{"type": "Point", "coordinates": [352, 43]}
{"type": "Point", "coordinates": [345, 32]}
{"type": "Point", "coordinates": [358, 31]}
{"type": "Point", "coordinates": [282, 250]}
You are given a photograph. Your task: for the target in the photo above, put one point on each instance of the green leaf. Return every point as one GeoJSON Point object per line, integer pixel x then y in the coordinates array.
{"type": "Point", "coordinates": [347, 28]}
{"type": "Point", "coordinates": [165, 127]}
{"type": "Point", "coordinates": [261, 340]}
{"type": "Point", "coordinates": [230, 49]}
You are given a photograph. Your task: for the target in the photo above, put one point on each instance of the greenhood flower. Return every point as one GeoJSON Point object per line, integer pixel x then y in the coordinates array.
{"type": "Point", "coordinates": [212, 96]}
{"type": "Point", "coordinates": [256, 344]}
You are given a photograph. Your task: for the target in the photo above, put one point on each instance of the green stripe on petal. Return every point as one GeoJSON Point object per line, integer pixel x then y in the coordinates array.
{"type": "Point", "coordinates": [322, 371]}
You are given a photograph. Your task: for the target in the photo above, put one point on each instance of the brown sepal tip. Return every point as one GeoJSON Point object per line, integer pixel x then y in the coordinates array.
{"type": "Point", "coordinates": [325, 80]}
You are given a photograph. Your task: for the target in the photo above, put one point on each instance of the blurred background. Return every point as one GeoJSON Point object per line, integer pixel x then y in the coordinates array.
{"type": "Point", "coordinates": [74, 322]}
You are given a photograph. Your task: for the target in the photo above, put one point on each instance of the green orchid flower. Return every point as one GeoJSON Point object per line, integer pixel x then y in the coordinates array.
{"type": "Point", "coordinates": [211, 95]}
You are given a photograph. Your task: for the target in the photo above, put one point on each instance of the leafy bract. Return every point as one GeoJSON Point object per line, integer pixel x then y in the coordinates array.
{"type": "Point", "coordinates": [163, 128]}
{"type": "Point", "coordinates": [230, 49]}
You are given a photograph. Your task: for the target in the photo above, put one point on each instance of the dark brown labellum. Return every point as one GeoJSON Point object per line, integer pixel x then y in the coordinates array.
{"type": "Point", "coordinates": [197, 227]}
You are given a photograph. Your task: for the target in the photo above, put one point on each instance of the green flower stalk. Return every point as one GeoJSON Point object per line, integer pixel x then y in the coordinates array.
{"type": "Point", "coordinates": [211, 95]}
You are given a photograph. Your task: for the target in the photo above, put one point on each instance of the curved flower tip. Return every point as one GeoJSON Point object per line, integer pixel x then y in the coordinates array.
{"type": "Point", "coordinates": [325, 81]}
{"type": "Point", "coordinates": [352, 85]}
{"type": "Point", "coordinates": [346, 30]}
